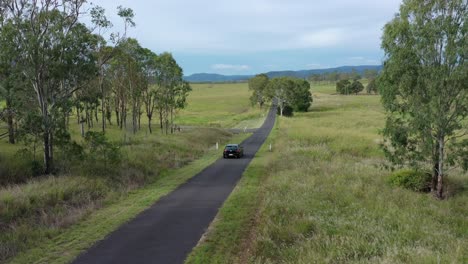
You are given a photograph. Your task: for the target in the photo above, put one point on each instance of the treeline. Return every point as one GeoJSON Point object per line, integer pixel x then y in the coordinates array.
{"type": "Point", "coordinates": [333, 77]}
{"type": "Point", "coordinates": [52, 67]}
{"type": "Point", "coordinates": [347, 87]}
{"type": "Point", "coordinates": [290, 94]}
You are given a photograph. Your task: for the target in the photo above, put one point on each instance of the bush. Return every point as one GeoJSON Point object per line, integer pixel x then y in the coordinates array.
{"type": "Point", "coordinates": [101, 156]}
{"type": "Point", "coordinates": [411, 179]}
{"type": "Point", "coordinates": [19, 168]}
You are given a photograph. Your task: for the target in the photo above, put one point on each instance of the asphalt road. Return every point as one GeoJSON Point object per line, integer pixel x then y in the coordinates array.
{"type": "Point", "coordinates": [168, 230]}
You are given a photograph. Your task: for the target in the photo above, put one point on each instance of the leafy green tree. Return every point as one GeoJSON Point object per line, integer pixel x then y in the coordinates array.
{"type": "Point", "coordinates": [290, 92]}
{"type": "Point", "coordinates": [278, 91]}
{"type": "Point", "coordinates": [356, 87]}
{"type": "Point", "coordinates": [300, 97]}
{"type": "Point", "coordinates": [149, 67]}
{"type": "Point", "coordinates": [9, 79]}
{"type": "Point", "coordinates": [56, 59]}
{"type": "Point", "coordinates": [103, 54]}
{"type": "Point", "coordinates": [258, 86]}
{"type": "Point", "coordinates": [172, 90]}
{"type": "Point", "coordinates": [372, 86]}
{"type": "Point", "coordinates": [424, 87]}
{"type": "Point", "coordinates": [342, 87]}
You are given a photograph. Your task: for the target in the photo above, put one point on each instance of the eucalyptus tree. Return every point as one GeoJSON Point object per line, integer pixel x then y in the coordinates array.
{"type": "Point", "coordinates": [258, 85]}
{"type": "Point", "coordinates": [278, 91]}
{"type": "Point", "coordinates": [103, 54]}
{"type": "Point", "coordinates": [168, 77]}
{"type": "Point", "coordinates": [424, 87]}
{"type": "Point", "coordinates": [342, 87]}
{"type": "Point", "coordinates": [149, 89]}
{"type": "Point", "coordinates": [300, 97]}
{"type": "Point", "coordinates": [372, 86]}
{"type": "Point", "coordinates": [56, 58]}
{"type": "Point", "coordinates": [9, 79]}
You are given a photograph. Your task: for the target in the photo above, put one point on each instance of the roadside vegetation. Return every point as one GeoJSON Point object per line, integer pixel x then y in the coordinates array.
{"type": "Point", "coordinates": [55, 207]}
{"type": "Point", "coordinates": [325, 197]}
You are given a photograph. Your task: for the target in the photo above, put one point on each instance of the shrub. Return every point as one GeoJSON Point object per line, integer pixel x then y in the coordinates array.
{"type": "Point", "coordinates": [19, 168]}
{"type": "Point", "coordinates": [101, 156]}
{"type": "Point", "coordinates": [414, 180]}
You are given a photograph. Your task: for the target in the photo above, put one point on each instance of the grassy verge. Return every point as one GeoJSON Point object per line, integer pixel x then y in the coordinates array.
{"type": "Point", "coordinates": [229, 233]}
{"type": "Point", "coordinates": [57, 217]}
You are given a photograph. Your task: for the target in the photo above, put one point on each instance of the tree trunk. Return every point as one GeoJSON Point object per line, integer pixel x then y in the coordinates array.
{"type": "Point", "coordinates": [101, 84]}
{"type": "Point", "coordinates": [108, 115]}
{"type": "Point", "coordinates": [435, 173]}
{"type": "Point", "coordinates": [82, 129]}
{"type": "Point", "coordinates": [117, 117]}
{"type": "Point", "coordinates": [139, 119]}
{"type": "Point", "coordinates": [149, 124]}
{"type": "Point", "coordinates": [440, 175]}
{"type": "Point", "coordinates": [11, 128]}
{"type": "Point", "coordinates": [47, 137]}
{"type": "Point", "coordinates": [161, 120]}
{"type": "Point", "coordinates": [172, 121]}
{"type": "Point", "coordinates": [134, 118]}
{"type": "Point", "coordinates": [78, 115]}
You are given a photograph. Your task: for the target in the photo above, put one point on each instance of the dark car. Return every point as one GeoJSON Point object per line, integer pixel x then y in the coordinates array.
{"type": "Point", "coordinates": [233, 150]}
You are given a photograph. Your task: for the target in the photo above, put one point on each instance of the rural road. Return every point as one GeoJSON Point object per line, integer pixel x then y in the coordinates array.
{"type": "Point", "coordinates": [167, 231]}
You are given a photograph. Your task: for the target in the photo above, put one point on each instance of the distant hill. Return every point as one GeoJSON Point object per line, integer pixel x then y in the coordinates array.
{"type": "Point", "coordinates": [213, 77]}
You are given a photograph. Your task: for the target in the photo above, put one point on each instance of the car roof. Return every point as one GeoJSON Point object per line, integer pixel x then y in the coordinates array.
{"type": "Point", "coordinates": [232, 145]}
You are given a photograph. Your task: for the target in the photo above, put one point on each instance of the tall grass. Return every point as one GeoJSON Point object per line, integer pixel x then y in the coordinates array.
{"type": "Point", "coordinates": [325, 198]}
{"type": "Point", "coordinates": [44, 207]}
{"type": "Point", "coordinates": [328, 200]}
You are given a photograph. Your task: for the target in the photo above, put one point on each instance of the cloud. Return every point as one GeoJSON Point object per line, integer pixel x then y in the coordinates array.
{"type": "Point", "coordinates": [322, 38]}
{"type": "Point", "coordinates": [230, 67]}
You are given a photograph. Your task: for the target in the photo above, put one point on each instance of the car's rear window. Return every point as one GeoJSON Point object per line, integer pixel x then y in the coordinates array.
{"type": "Point", "coordinates": [231, 147]}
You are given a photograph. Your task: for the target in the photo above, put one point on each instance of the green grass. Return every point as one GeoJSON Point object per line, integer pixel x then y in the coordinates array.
{"type": "Point", "coordinates": [326, 199]}
{"type": "Point", "coordinates": [61, 238]}
{"type": "Point", "coordinates": [219, 105]}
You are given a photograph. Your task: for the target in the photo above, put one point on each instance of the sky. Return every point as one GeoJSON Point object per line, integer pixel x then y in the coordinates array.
{"type": "Point", "coordinates": [254, 36]}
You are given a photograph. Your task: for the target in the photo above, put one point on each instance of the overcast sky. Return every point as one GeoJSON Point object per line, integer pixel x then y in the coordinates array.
{"type": "Point", "coordinates": [254, 36]}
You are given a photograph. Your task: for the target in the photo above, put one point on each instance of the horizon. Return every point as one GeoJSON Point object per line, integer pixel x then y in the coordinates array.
{"type": "Point", "coordinates": [245, 38]}
{"type": "Point", "coordinates": [285, 70]}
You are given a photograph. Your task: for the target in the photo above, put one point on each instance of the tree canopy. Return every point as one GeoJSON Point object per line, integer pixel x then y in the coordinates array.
{"type": "Point", "coordinates": [424, 87]}
{"type": "Point", "coordinates": [52, 65]}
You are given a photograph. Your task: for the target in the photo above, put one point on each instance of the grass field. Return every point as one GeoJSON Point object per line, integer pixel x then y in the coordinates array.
{"type": "Point", "coordinates": [323, 197]}
{"type": "Point", "coordinates": [219, 105]}
{"type": "Point", "coordinates": [51, 219]}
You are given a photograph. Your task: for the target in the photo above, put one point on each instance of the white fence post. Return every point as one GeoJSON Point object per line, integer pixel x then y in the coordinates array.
{"type": "Point", "coordinates": [217, 146]}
